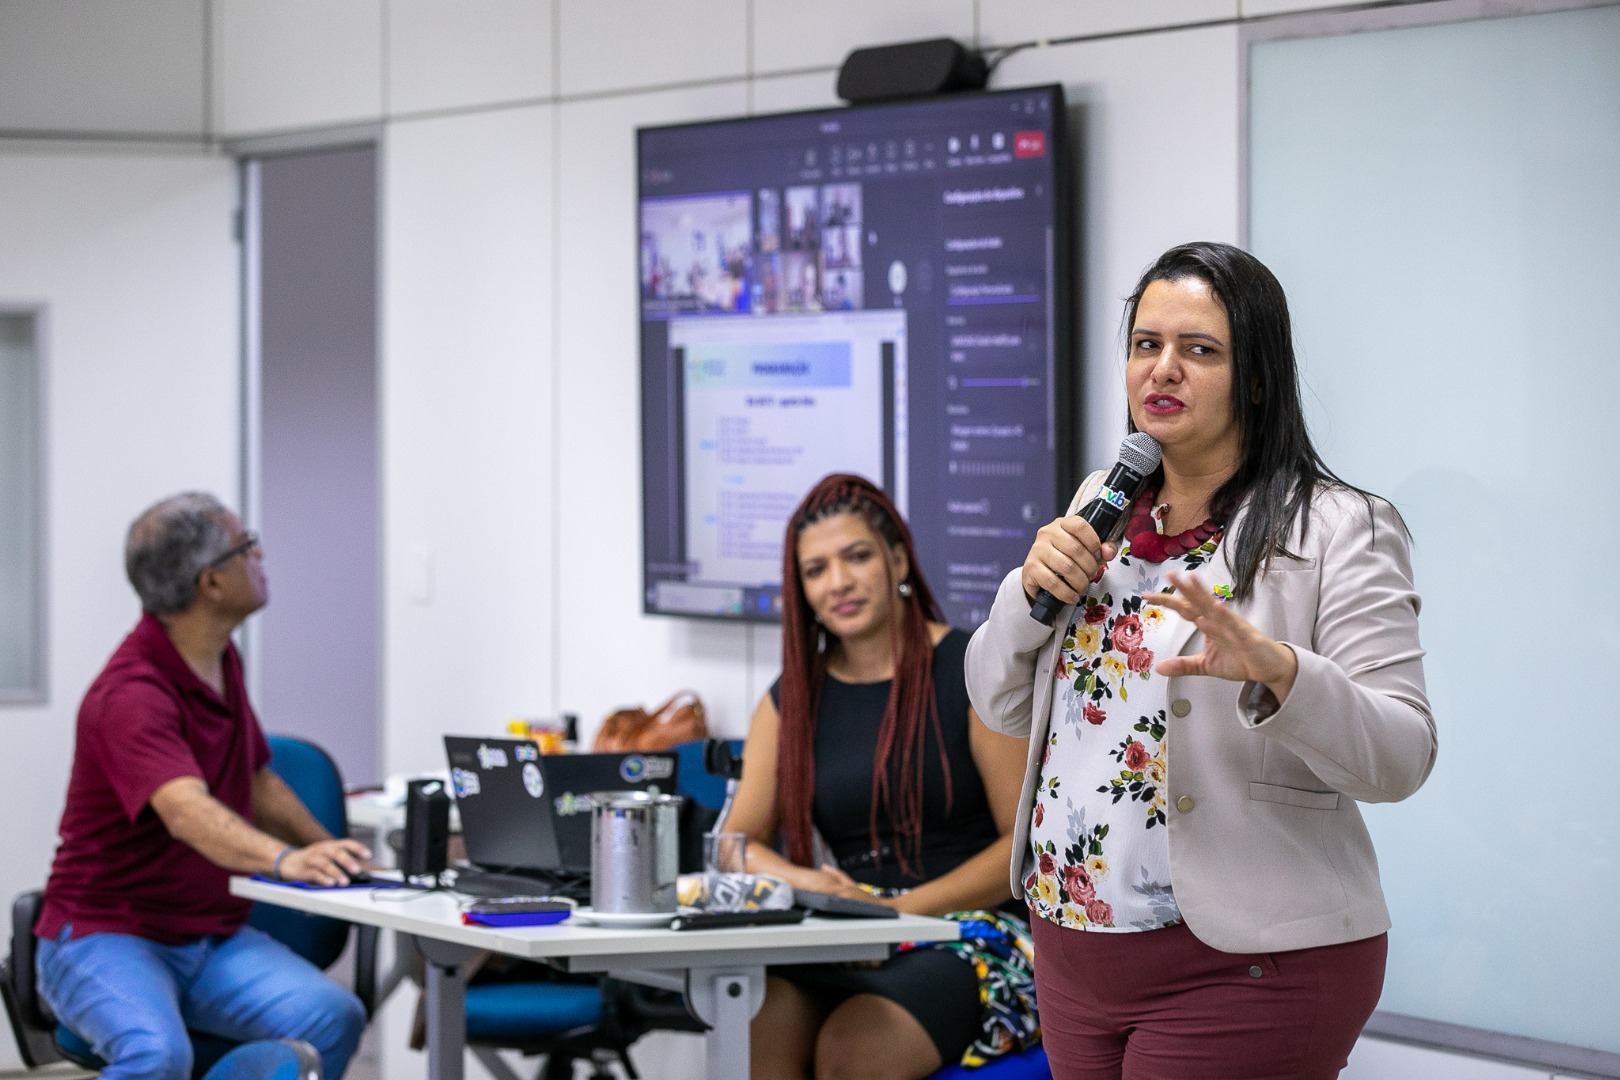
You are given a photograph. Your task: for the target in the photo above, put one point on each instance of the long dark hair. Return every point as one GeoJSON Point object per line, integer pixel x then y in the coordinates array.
{"type": "Point", "coordinates": [1280, 468]}
{"type": "Point", "coordinates": [897, 775]}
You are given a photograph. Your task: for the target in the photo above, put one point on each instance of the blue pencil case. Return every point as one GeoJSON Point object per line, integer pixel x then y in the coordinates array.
{"type": "Point", "coordinates": [515, 918]}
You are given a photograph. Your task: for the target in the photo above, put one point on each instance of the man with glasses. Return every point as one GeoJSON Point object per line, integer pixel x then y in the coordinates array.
{"type": "Point", "coordinates": [171, 793]}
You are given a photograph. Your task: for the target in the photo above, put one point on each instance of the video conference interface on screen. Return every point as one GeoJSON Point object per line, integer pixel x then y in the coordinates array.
{"type": "Point", "coordinates": [865, 290]}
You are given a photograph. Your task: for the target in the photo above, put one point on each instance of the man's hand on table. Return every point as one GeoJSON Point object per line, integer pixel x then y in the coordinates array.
{"type": "Point", "coordinates": [325, 862]}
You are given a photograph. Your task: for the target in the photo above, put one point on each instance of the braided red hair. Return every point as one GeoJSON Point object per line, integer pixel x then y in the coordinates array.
{"type": "Point", "coordinates": [897, 776]}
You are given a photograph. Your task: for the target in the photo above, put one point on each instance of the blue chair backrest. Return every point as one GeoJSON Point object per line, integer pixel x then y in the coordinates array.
{"type": "Point", "coordinates": [314, 778]}
{"type": "Point", "coordinates": [694, 781]}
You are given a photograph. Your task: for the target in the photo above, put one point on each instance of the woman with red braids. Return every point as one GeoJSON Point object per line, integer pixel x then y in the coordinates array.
{"type": "Point", "coordinates": [866, 766]}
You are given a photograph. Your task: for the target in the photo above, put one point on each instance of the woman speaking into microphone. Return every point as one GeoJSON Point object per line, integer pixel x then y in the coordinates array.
{"type": "Point", "coordinates": [1231, 672]}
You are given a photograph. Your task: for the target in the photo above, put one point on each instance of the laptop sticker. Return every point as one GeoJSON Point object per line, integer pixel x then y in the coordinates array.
{"type": "Point", "coordinates": [532, 783]}
{"type": "Point", "coordinates": [636, 768]}
{"type": "Point", "coordinates": [491, 757]}
{"type": "Point", "coordinates": [466, 782]}
{"type": "Point", "coordinates": [568, 804]}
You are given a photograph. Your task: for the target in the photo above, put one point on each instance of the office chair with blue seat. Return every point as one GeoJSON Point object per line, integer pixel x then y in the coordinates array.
{"type": "Point", "coordinates": [314, 778]}
{"type": "Point", "coordinates": [695, 779]}
{"type": "Point", "coordinates": [566, 1021]}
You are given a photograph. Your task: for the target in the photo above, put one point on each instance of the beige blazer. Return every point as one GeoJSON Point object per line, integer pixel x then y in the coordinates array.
{"type": "Point", "coordinates": [1268, 850]}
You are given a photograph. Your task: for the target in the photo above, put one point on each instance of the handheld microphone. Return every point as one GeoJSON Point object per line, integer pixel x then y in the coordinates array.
{"type": "Point", "coordinates": [1138, 456]}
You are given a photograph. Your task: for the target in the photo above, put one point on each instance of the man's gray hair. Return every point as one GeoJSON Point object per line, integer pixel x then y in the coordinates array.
{"type": "Point", "coordinates": [169, 545]}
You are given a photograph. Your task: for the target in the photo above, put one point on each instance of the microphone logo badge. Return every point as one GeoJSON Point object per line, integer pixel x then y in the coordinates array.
{"type": "Point", "coordinates": [1117, 499]}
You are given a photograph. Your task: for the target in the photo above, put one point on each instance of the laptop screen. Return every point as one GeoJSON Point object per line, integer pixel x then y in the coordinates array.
{"type": "Point", "coordinates": [523, 810]}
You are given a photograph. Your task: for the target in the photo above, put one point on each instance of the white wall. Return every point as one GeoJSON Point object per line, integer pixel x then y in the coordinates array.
{"type": "Point", "coordinates": [468, 417]}
{"type": "Point", "coordinates": [133, 259]}
{"type": "Point", "coordinates": [509, 358]}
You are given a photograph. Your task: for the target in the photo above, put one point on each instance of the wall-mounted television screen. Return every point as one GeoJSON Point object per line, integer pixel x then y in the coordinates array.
{"type": "Point", "coordinates": [880, 289]}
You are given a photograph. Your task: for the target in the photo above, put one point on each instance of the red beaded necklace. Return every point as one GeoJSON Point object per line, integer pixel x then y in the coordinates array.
{"type": "Point", "coordinates": [1150, 545]}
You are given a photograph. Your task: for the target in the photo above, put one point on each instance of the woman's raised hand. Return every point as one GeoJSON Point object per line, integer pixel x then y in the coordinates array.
{"type": "Point", "coordinates": [1233, 648]}
{"type": "Point", "coordinates": [1065, 557]}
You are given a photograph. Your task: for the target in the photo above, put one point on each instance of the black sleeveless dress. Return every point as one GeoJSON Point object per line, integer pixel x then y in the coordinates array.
{"type": "Point", "coordinates": [934, 986]}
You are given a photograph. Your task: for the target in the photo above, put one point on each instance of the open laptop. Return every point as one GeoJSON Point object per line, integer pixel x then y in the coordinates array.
{"type": "Point", "coordinates": [530, 813]}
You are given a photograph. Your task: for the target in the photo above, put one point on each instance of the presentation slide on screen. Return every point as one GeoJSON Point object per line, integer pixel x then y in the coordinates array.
{"type": "Point", "coordinates": [771, 405]}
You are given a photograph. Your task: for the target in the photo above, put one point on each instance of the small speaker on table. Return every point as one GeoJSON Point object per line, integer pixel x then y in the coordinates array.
{"type": "Point", "coordinates": [427, 829]}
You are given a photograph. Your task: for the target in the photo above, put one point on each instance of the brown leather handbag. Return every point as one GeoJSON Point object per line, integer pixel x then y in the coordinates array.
{"type": "Point", "coordinates": [680, 719]}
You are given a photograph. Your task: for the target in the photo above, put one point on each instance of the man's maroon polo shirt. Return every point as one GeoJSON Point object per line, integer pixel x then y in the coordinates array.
{"type": "Point", "coordinates": [146, 720]}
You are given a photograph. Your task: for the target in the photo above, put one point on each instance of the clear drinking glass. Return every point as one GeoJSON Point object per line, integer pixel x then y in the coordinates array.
{"type": "Point", "coordinates": [725, 871]}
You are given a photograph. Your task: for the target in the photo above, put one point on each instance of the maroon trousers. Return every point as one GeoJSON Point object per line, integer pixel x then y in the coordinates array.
{"type": "Point", "coordinates": [1162, 1005]}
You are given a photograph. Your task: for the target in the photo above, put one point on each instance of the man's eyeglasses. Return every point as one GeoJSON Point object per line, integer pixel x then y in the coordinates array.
{"type": "Point", "coordinates": [249, 544]}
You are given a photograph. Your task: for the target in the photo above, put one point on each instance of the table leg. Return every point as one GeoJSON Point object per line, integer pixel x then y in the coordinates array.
{"type": "Point", "coordinates": [726, 999]}
{"type": "Point", "coordinates": [446, 1006]}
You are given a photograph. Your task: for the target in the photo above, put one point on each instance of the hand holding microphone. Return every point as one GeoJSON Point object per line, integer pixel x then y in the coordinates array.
{"type": "Point", "coordinates": [1069, 550]}
{"type": "Point", "coordinates": [1066, 550]}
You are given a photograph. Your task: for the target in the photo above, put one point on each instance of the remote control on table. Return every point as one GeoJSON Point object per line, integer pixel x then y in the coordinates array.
{"type": "Point", "coordinates": [714, 920]}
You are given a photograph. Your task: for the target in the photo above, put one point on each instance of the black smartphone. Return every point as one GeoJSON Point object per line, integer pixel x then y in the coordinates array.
{"type": "Point", "coordinates": [517, 905]}
{"type": "Point", "coordinates": [714, 920]}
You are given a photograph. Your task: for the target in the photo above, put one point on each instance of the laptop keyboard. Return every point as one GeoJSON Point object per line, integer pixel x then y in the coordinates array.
{"type": "Point", "coordinates": [491, 884]}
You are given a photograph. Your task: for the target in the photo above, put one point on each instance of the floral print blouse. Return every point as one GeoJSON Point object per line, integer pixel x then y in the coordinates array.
{"type": "Point", "coordinates": [1099, 854]}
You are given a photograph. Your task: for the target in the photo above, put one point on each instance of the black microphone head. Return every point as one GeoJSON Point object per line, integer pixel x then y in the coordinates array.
{"type": "Point", "coordinates": [1140, 453]}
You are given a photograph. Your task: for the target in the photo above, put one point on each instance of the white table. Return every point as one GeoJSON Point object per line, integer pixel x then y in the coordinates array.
{"type": "Point", "coordinates": [721, 972]}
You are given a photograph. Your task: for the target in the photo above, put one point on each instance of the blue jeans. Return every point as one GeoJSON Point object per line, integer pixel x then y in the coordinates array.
{"type": "Point", "coordinates": [132, 999]}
